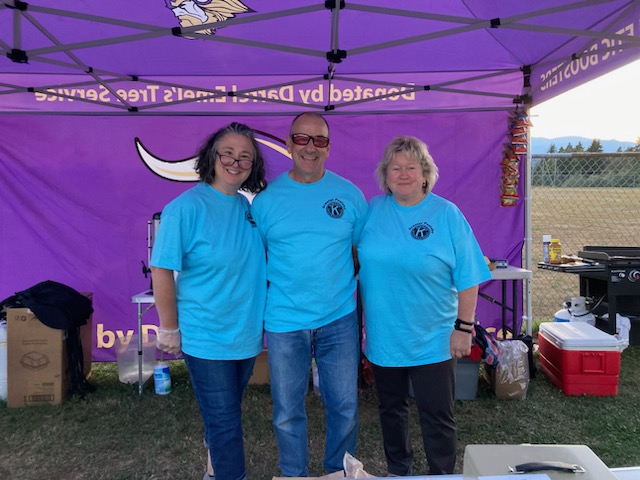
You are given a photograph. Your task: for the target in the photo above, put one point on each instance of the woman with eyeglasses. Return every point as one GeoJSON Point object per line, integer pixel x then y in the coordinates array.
{"type": "Point", "coordinates": [420, 266]}
{"type": "Point", "coordinates": [212, 310]}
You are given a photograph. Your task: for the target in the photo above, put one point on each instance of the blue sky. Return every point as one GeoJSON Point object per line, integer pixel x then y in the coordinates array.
{"type": "Point", "coordinates": [607, 108]}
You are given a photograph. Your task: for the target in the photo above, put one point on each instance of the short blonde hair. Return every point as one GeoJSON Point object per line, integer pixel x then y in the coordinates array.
{"type": "Point", "coordinates": [413, 148]}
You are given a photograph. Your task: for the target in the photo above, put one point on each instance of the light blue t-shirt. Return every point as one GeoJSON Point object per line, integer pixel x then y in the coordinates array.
{"type": "Point", "coordinates": [211, 240]}
{"type": "Point", "coordinates": [413, 262]}
{"type": "Point", "coordinates": [309, 230]}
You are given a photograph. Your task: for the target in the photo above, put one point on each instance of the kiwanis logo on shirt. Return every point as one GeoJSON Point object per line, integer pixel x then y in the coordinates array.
{"type": "Point", "coordinates": [421, 231]}
{"type": "Point", "coordinates": [334, 208]}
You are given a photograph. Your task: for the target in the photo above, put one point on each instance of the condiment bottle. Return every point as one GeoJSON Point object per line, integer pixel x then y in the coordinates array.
{"type": "Point", "coordinates": [546, 241]}
{"type": "Point", "coordinates": [555, 252]}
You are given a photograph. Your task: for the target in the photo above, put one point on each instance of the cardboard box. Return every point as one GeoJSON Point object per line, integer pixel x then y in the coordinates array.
{"type": "Point", "coordinates": [37, 370]}
{"type": "Point", "coordinates": [36, 361]}
{"type": "Point", "coordinates": [260, 375]}
{"type": "Point", "coordinates": [505, 388]}
{"type": "Point", "coordinates": [579, 358]}
{"type": "Point", "coordinates": [484, 460]}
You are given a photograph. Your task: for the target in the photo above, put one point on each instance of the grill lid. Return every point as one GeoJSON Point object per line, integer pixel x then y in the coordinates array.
{"type": "Point", "coordinates": [611, 255]}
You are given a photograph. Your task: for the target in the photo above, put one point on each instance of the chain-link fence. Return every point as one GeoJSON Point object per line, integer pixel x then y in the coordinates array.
{"type": "Point", "coordinates": [581, 199]}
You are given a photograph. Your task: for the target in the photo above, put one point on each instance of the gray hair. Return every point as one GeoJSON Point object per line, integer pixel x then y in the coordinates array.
{"type": "Point", "coordinates": [412, 148]}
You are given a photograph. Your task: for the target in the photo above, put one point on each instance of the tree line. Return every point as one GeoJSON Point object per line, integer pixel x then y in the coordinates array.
{"type": "Point", "coordinates": [595, 147]}
{"type": "Point", "coordinates": [611, 170]}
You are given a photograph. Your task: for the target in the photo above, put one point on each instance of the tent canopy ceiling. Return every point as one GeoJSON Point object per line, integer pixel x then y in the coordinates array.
{"type": "Point", "coordinates": [217, 56]}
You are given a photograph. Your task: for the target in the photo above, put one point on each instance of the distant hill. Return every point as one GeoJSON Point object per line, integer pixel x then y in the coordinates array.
{"type": "Point", "coordinates": [541, 145]}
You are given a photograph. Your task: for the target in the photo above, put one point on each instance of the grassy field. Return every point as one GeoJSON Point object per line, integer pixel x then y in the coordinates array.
{"type": "Point", "coordinates": [578, 217]}
{"type": "Point", "coordinates": [113, 434]}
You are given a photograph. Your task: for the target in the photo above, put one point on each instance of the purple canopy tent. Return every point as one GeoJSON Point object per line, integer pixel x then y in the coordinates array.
{"type": "Point", "coordinates": [104, 103]}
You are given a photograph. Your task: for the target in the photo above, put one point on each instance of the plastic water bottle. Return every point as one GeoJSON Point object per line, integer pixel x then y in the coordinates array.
{"type": "Point", "coordinates": [546, 241]}
{"type": "Point", "coordinates": [162, 378]}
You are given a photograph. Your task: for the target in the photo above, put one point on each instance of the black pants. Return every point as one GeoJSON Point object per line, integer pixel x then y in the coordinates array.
{"type": "Point", "coordinates": [434, 390]}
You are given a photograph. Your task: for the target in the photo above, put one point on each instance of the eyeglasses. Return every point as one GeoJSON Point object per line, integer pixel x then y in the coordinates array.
{"type": "Point", "coordinates": [303, 139]}
{"type": "Point", "coordinates": [228, 160]}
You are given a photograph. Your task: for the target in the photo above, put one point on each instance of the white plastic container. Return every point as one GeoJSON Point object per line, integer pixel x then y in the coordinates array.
{"type": "Point", "coordinates": [493, 461]}
{"type": "Point", "coordinates": [127, 357]}
{"type": "Point", "coordinates": [3, 361]}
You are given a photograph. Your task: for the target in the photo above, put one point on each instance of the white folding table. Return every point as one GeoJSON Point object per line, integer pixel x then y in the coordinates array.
{"type": "Point", "coordinates": [503, 275]}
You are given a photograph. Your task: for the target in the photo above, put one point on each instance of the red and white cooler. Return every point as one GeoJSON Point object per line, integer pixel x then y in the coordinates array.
{"type": "Point", "coordinates": [579, 358]}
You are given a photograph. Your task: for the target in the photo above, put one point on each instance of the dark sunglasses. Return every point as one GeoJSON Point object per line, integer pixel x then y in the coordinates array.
{"type": "Point", "coordinates": [303, 139]}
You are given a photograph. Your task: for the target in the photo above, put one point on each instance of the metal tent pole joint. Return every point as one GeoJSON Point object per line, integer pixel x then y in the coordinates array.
{"type": "Point", "coordinates": [336, 56]}
{"type": "Point", "coordinates": [331, 4]}
{"type": "Point", "coordinates": [18, 5]}
{"type": "Point", "coordinates": [18, 56]}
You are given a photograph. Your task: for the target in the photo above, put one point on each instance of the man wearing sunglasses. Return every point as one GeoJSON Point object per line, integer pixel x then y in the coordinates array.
{"type": "Point", "coordinates": [310, 218]}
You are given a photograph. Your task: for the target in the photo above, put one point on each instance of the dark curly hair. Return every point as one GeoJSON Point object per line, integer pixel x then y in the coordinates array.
{"type": "Point", "coordinates": [205, 164]}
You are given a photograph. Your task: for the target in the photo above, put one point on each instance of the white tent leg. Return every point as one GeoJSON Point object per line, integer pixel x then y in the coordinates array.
{"type": "Point", "coordinates": [527, 317]}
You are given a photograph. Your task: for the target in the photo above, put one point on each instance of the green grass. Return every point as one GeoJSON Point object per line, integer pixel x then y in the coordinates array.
{"type": "Point", "coordinates": [115, 434]}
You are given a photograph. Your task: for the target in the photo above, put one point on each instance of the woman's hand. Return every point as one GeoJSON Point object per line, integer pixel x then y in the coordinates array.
{"type": "Point", "coordinates": [461, 340]}
{"type": "Point", "coordinates": [460, 344]}
{"type": "Point", "coordinates": [169, 341]}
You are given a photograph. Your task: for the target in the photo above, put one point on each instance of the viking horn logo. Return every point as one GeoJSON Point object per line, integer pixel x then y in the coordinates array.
{"type": "Point", "coordinates": [184, 170]}
{"type": "Point", "coordinates": [180, 171]}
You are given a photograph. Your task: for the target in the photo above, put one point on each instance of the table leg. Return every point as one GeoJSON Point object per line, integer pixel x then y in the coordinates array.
{"type": "Point", "coordinates": [140, 382]}
{"type": "Point", "coordinates": [514, 308]}
{"type": "Point", "coordinates": [504, 308]}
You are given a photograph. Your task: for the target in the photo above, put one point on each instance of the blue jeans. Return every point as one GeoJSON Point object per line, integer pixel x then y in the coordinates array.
{"type": "Point", "coordinates": [218, 386]}
{"type": "Point", "coordinates": [337, 353]}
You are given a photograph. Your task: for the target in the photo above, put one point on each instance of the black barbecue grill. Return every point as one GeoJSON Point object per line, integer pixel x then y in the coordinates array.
{"type": "Point", "coordinates": [613, 284]}
{"type": "Point", "coordinates": [621, 256]}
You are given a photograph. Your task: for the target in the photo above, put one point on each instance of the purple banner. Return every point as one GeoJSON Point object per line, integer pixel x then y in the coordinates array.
{"type": "Point", "coordinates": [78, 192]}
{"type": "Point", "coordinates": [250, 94]}
{"type": "Point", "coordinates": [600, 56]}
